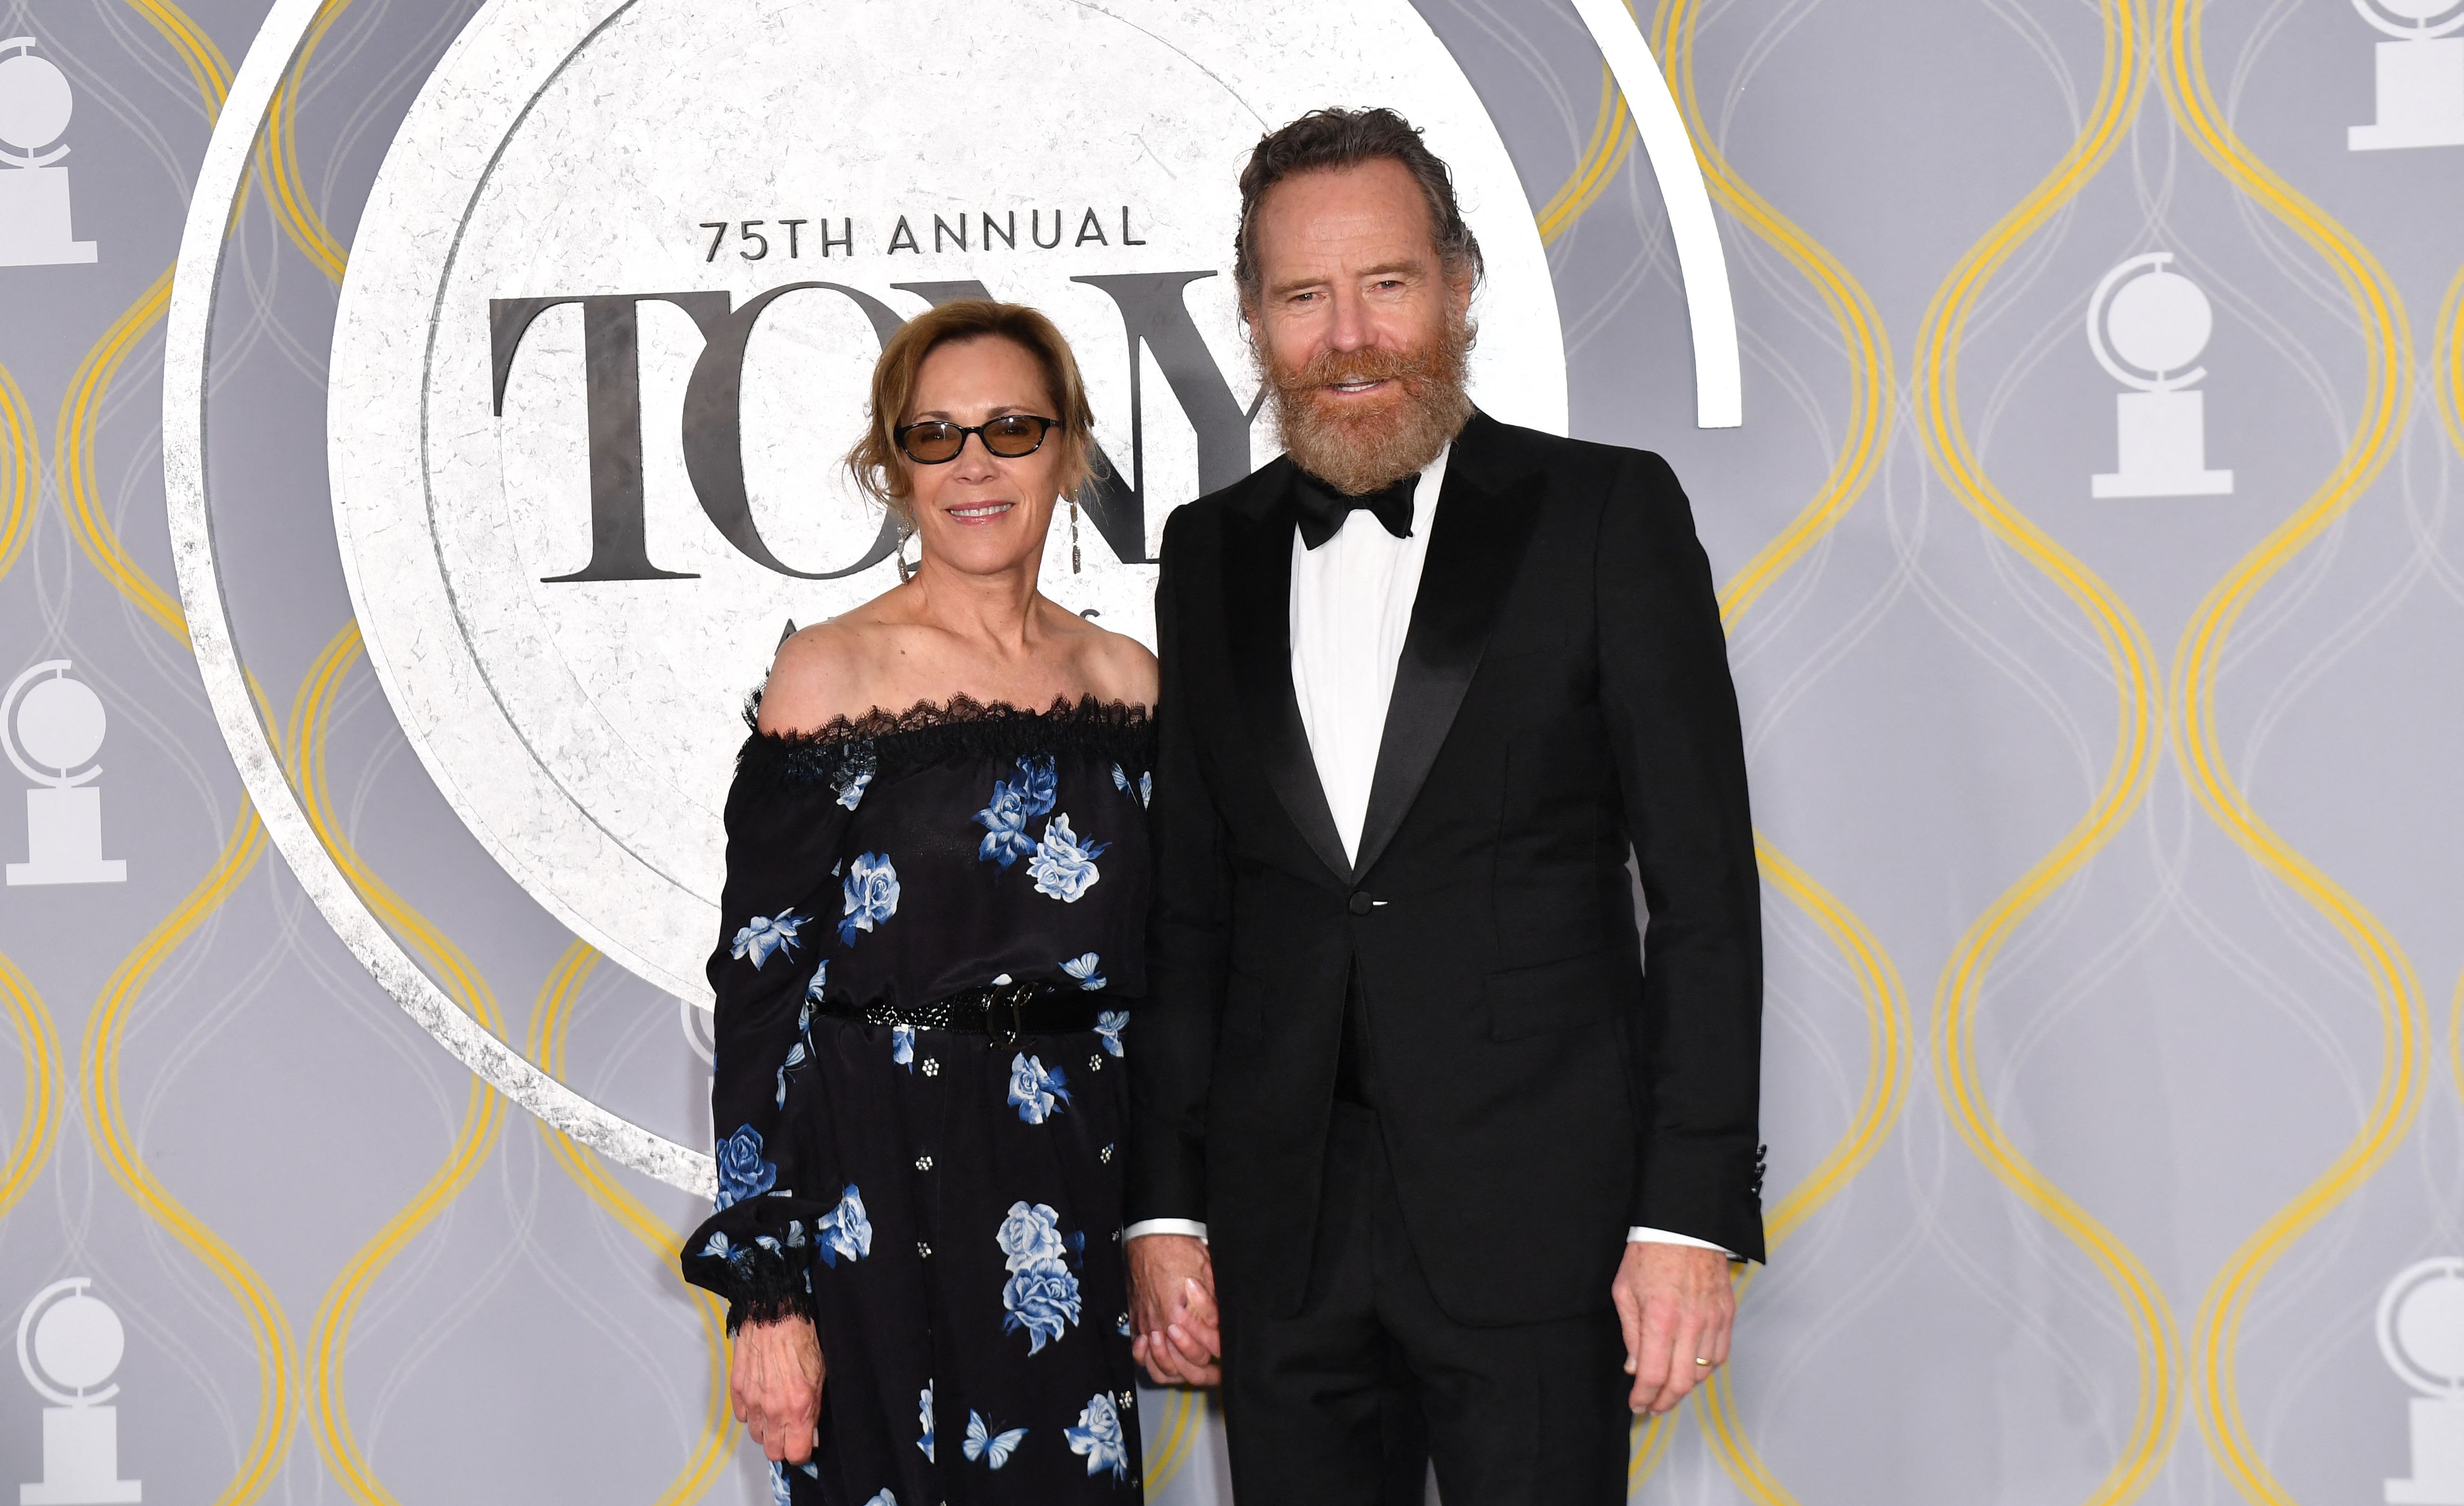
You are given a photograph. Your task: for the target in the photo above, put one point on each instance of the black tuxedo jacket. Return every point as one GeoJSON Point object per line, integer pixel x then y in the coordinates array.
{"type": "Point", "coordinates": [1544, 1081]}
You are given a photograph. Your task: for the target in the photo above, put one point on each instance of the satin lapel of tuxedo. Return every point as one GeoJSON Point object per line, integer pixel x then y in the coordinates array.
{"type": "Point", "coordinates": [1476, 544]}
{"type": "Point", "coordinates": [1257, 594]}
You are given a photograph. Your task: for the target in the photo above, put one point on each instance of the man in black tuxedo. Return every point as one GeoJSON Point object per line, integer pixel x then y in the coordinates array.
{"type": "Point", "coordinates": [1429, 1146]}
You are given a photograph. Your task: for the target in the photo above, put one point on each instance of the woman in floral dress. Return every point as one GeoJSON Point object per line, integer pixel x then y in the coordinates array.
{"type": "Point", "coordinates": [931, 939]}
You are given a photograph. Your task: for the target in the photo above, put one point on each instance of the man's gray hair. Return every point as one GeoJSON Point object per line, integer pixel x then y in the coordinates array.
{"type": "Point", "coordinates": [1325, 141]}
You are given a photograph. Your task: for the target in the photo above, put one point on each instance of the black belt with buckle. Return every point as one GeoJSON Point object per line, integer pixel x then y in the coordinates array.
{"type": "Point", "coordinates": [1001, 1011]}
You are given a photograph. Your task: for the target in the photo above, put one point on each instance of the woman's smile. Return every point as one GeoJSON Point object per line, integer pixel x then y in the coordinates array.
{"type": "Point", "coordinates": [979, 512]}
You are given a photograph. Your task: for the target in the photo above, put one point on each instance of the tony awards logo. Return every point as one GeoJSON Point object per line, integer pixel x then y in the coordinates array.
{"type": "Point", "coordinates": [75, 1344]}
{"type": "Point", "coordinates": [35, 106]}
{"type": "Point", "coordinates": [51, 727]}
{"type": "Point", "coordinates": [2420, 1332]}
{"type": "Point", "coordinates": [2157, 321]}
{"type": "Point", "coordinates": [2420, 76]}
{"type": "Point", "coordinates": [607, 329]}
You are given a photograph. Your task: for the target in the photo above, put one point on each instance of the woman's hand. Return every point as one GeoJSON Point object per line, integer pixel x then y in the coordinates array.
{"type": "Point", "coordinates": [1178, 1333]}
{"type": "Point", "coordinates": [776, 1383]}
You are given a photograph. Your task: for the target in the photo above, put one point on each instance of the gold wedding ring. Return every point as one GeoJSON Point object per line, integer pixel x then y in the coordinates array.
{"type": "Point", "coordinates": [1704, 1364]}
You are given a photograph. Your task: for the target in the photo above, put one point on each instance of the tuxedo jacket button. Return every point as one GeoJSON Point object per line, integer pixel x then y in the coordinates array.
{"type": "Point", "coordinates": [1360, 905]}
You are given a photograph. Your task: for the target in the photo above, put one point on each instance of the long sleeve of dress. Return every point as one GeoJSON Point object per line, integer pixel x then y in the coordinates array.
{"type": "Point", "coordinates": [785, 814]}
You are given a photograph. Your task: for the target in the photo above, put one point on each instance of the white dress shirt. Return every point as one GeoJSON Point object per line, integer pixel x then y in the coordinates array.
{"type": "Point", "coordinates": [1351, 606]}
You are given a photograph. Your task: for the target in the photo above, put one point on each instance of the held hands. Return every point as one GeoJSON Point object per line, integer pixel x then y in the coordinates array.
{"type": "Point", "coordinates": [1177, 1333]}
{"type": "Point", "coordinates": [1676, 1306]}
{"type": "Point", "coordinates": [776, 1385]}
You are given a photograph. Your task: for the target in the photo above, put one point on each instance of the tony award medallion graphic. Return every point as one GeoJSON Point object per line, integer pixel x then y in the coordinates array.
{"type": "Point", "coordinates": [2420, 1332]}
{"type": "Point", "coordinates": [34, 109]}
{"type": "Point", "coordinates": [52, 726]}
{"type": "Point", "coordinates": [75, 1344]}
{"type": "Point", "coordinates": [2420, 76]}
{"type": "Point", "coordinates": [2158, 321]}
{"type": "Point", "coordinates": [576, 508]}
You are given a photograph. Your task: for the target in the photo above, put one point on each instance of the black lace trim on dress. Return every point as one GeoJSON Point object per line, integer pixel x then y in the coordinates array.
{"type": "Point", "coordinates": [930, 732]}
{"type": "Point", "coordinates": [769, 1293]}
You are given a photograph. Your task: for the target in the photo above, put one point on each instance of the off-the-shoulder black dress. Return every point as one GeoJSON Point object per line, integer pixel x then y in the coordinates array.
{"type": "Point", "coordinates": [940, 1192]}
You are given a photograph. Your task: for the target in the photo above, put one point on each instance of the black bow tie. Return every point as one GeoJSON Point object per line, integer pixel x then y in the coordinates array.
{"type": "Point", "coordinates": [1323, 509]}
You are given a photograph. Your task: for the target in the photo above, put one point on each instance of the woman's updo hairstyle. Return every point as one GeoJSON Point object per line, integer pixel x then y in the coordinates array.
{"type": "Point", "coordinates": [876, 463]}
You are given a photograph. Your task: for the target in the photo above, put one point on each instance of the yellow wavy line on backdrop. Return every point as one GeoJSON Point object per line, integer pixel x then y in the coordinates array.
{"type": "Point", "coordinates": [38, 1042]}
{"type": "Point", "coordinates": [73, 451]}
{"type": "Point", "coordinates": [98, 1067]}
{"type": "Point", "coordinates": [1613, 137]}
{"type": "Point", "coordinates": [329, 1336]}
{"type": "Point", "coordinates": [80, 412]}
{"type": "Point", "coordinates": [1960, 993]}
{"type": "Point", "coordinates": [2448, 364]}
{"type": "Point", "coordinates": [20, 483]}
{"type": "Point", "coordinates": [99, 1072]}
{"type": "Point", "coordinates": [1181, 1429]}
{"type": "Point", "coordinates": [2198, 667]}
{"type": "Point", "coordinates": [279, 156]}
{"type": "Point", "coordinates": [38, 1047]}
{"type": "Point", "coordinates": [549, 1021]}
{"type": "Point", "coordinates": [1884, 997]}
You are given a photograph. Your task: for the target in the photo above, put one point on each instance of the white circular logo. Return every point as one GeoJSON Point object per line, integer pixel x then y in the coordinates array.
{"type": "Point", "coordinates": [614, 302]}
{"type": "Point", "coordinates": [2421, 1327]}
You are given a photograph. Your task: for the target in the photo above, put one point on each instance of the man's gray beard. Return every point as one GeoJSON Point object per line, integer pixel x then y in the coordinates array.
{"type": "Point", "coordinates": [1365, 453]}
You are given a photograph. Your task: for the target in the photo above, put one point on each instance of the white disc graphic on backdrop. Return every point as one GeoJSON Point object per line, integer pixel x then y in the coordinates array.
{"type": "Point", "coordinates": [612, 308]}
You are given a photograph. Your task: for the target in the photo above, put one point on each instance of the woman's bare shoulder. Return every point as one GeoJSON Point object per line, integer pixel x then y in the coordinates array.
{"type": "Point", "coordinates": [1119, 668]}
{"type": "Point", "coordinates": [820, 674]}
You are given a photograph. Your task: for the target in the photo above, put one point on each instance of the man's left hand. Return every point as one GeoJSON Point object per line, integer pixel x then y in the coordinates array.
{"type": "Point", "coordinates": [1676, 1306]}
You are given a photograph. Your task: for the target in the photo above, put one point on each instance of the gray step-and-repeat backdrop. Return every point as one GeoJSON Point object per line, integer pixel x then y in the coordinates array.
{"type": "Point", "coordinates": [2089, 547]}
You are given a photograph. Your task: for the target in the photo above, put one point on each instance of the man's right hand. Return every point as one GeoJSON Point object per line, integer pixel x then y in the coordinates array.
{"type": "Point", "coordinates": [1175, 1332]}
{"type": "Point", "coordinates": [776, 1385]}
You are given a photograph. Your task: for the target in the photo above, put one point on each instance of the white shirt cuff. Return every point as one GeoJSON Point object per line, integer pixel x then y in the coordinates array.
{"type": "Point", "coordinates": [1164, 1226]}
{"type": "Point", "coordinates": [1639, 1235]}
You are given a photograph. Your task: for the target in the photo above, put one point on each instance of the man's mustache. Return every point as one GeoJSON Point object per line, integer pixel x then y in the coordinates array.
{"type": "Point", "coordinates": [1335, 367]}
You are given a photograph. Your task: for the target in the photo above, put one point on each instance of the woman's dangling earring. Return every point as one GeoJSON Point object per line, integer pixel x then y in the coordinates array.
{"type": "Point", "coordinates": [1074, 535]}
{"type": "Point", "coordinates": [906, 571]}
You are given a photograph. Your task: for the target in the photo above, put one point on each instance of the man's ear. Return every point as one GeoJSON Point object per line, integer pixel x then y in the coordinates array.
{"type": "Point", "coordinates": [1458, 291]}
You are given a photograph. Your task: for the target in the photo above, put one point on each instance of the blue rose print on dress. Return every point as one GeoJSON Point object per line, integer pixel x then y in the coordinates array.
{"type": "Point", "coordinates": [1098, 1436]}
{"type": "Point", "coordinates": [761, 935]}
{"type": "Point", "coordinates": [1144, 788]}
{"type": "Point", "coordinates": [1014, 803]}
{"type": "Point", "coordinates": [1040, 1295]}
{"type": "Point", "coordinates": [1086, 970]}
{"type": "Point", "coordinates": [871, 892]}
{"type": "Point", "coordinates": [813, 990]}
{"type": "Point", "coordinates": [1108, 1025]}
{"type": "Point", "coordinates": [1036, 1089]}
{"type": "Point", "coordinates": [993, 1447]}
{"type": "Point", "coordinates": [924, 1413]}
{"type": "Point", "coordinates": [742, 1173]}
{"type": "Point", "coordinates": [847, 1232]}
{"type": "Point", "coordinates": [1062, 868]}
{"type": "Point", "coordinates": [885, 1499]}
{"type": "Point", "coordinates": [1029, 1235]}
{"type": "Point", "coordinates": [902, 1046]}
{"type": "Point", "coordinates": [1044, 1301]}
